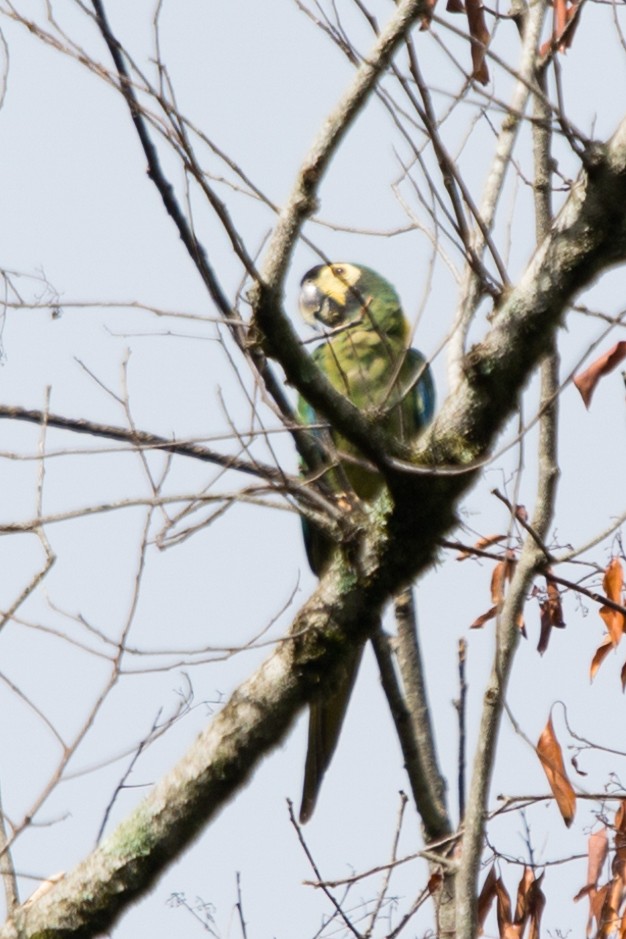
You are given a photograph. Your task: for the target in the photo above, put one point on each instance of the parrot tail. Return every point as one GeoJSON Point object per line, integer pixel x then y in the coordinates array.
{"type": "Point", "coordinates": [325, 722]}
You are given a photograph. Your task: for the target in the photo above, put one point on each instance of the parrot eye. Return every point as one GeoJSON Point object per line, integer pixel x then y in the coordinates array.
{"type": "Point", "coordinates": [338, 271]}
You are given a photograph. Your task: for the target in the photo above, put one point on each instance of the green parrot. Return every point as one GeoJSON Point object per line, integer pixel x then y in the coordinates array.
{"type": "Point", "coordinates": [367, 358]}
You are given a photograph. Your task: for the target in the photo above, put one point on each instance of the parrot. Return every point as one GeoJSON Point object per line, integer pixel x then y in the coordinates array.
{"type": "Point", "coordinates": [367, 358]}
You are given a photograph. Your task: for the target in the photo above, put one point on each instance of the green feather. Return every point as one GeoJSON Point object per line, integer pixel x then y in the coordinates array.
{"type": "Point", "coordinates": [365, 357]}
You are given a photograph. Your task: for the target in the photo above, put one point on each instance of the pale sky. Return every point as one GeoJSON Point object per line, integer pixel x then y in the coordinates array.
{"type": "Point", "coordinates": [78, 209]}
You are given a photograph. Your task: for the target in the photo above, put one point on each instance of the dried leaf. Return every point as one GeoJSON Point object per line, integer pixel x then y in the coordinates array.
{"type": "Point", "coordinates": [536, 905]}
{"type": "Point", "coordinates": [512, 931]}
{"type": "Point", "coordinates": [425, 19]}
{"type": "Point", "coordinates": [486, 897]}
{"type": "Point", "coordinates": [584, 891]}
{"type": "Point", "coordinates": [480, 621]}
{"type": "Point", "coordinates": [502, 572]}
{"type": "Point", "coordinates": [596, 905]}
{"type": "Point", "coordinates": [551, 615]}
{"type": "Point", "coordinates": [481, 544]}
{"type": "Point", "coordinates": [565, 23]}
{"type": "Point", "coordinates": [549, 752]}
{"type": "Point", "coordinates": [503, 908]}
{"type": "Point", "coordinates": [599, 656]}
{"type": "Point", "coordinates": [597, 850]}
{"type": "Point", "coordinates": [586, 381]}
{"type": "Point", "coordinates": [560, 16]}
{"type": "Point", "coordinates": [614, 622]}
{"type": "Point", "coordinates": [434, 882]}
{"type": "Point", "coordinates": [573, 17]}
{"type": "Point", "coordinates": [480, 38]}
{"type": "Point", "coordinates": [498, 577]}
{"type": "Point", "coordinates": [619, 861]}
{"type": "Point", "coordinates": [608, 920]}
{"type": "Point", "coordinates": [554, 600]}
{"type": "Point", "coordinates": [613, 583]}
{"type": "Point", "coordinates": [523, 893]}
{"type": "Point", "coordinates": [455, 6]}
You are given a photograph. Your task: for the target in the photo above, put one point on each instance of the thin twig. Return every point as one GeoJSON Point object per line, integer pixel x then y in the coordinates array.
{"type": "Point", "coordinates": [460, 707]}
{"type": "Point", "coordinates": [322, 884]}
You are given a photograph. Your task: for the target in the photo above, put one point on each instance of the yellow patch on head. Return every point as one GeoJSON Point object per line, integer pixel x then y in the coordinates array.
{"type": "Point", "coordinates": [335, 280]}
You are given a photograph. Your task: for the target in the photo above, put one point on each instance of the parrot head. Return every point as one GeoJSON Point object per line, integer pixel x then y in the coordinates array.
{"type": "Point", "coordinates": [341, 293]}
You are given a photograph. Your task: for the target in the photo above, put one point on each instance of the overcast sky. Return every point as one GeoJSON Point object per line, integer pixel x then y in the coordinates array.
{"type": "Point", "coordinates": [82, 225]}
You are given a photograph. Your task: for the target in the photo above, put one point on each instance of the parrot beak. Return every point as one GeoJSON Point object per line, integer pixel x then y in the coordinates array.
{"type": "Point", "coordinates": [311, 300]}
{"type": "Point", "coordinates": [317, 308]}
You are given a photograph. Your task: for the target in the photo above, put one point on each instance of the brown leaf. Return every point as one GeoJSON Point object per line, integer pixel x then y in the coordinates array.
{"type": "Point", "coordinates": [498, 578]}
{"type": "Point", "coordinates": [482, 543]}
{"type": "Point", "coordinates": [584, 892]}
{"type": "Point", "coordinates": [560, 16]}
{"type": "Point", "coordinates": [596, 905]}
{"type": "Point", "coordinates": [502, 572]}
{"type": "Point", "coordinates": [549, 752]}
{"type": "Point", "coordinates": [434, 882]}
{"type": "Point", "coordinates": [536, 904]}
{"type": "Point", "coordinates": [613, 580]}
{"type": "Point", "coordinates": [523, 891]}
{"type": "Point", "coordinates": [586, 381]}
{"type": "Point", "coordinates": [597, 850]}
{"type": "Point", "coordinates": [480, 37]}
{"type": "Point", "coordinates": [599, 656]}
{"type": "Point", "coordinates": [512, 931]}
{"type": "Point", "coordinates": [619, 861]}
{"type": "Point", "coordinates": [614, 623]}
{"type": "Point", "coordinates": [486, 897]}
{"type": "Point", "coordinates": [554, 601]}
{"type": "Point", "coordinates": [480, 621]}
{"type": "Point", "coordinates": [503, 907]}
{"type": "Point", "coordinates": [573, 17]}
{"type": "Point", "coordinates": [613, 583]}
{"type": "Point", "coordinates": [608, 919]}
{"type": "Point", "coordinates": [425, 19]}
{"type": "Point", "coordinates": [565, 23]}
{"type": "Point", "coordinates": [551, 615]}
{"type": "Point", "coordinates": [455, 6]}
{"type": "Point", "coordinates": [546, 627]}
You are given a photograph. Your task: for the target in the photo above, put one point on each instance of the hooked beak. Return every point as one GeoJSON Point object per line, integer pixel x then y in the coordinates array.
{"type": "Point", "coordinates": [310, 302]}
{"type": "Point", "coordinates": [316, 308]}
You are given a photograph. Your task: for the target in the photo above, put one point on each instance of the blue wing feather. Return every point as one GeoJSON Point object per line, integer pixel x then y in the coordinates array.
{"type": "Point", "coordinates": [423, 391]}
